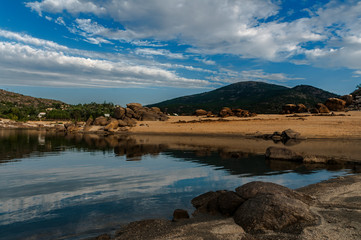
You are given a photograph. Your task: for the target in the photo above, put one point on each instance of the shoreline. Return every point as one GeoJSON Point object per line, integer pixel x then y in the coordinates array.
{"type": "Point", "coordinates": [335, 202]}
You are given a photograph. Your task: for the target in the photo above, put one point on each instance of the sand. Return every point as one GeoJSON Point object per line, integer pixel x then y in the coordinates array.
{"type": "Point", "coordinates": [343, 125]}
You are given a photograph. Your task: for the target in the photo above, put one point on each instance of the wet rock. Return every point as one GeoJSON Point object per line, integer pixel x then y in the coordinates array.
{"type": "Point", "coordinates": [290, 134]}
{"type": "Point", "coordinates": [180, 214]}
{"type": "Point", "coordinates": [275, 212]}
{"type": "Point", "coordinates": [285, 154]}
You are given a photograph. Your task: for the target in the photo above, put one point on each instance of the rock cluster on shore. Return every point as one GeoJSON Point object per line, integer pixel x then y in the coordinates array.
{"type": "Point", "coordinates": [225, 112]}
{"type": "Point", "coordinates": [122, 119]}
{"type": "Point", "coordinates": [331, 104]}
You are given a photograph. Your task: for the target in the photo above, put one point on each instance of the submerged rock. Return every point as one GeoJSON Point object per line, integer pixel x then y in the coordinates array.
{"type": "Point", "coordinates": [286, 154]}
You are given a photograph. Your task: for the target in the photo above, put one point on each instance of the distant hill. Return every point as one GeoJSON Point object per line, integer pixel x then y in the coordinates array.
{"type": "Point", "coordinates": [22, 100]}
{"type": "Point", "coordinates": [256, 97]}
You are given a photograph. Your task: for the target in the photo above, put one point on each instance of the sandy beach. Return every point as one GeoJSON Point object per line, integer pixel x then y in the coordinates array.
{"type": "Point", "coordinates": [341, 125]}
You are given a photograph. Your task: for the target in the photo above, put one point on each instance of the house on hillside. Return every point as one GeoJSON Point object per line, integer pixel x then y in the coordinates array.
{"type": "Point", "coordinates": [41, 114]}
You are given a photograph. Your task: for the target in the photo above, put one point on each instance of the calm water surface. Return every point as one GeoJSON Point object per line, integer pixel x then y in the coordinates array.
{"type": "Point", "coordinates": [71, 187]}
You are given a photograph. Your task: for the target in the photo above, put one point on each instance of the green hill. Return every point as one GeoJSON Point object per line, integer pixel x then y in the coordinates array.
{"type": "Point", "coordinates": [256, 97]}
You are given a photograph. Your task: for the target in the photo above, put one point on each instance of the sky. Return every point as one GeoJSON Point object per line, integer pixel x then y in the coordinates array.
{"type": "Point", "coordinates": [147, 51]}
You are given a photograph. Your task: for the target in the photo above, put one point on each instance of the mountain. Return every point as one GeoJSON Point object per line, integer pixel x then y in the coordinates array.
{"type": "Point", "coordinates": [22, 100]}
{"type": "Point", "coordinates": [256, 97]}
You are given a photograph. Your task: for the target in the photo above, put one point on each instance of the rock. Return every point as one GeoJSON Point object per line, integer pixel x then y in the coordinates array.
{"type": "Point", "coordinates": [301, 108]}
{"type": "Point", "coordinates": [200, 112]}
{"type": "Point", "coordinates": [156, 109]}
{"type": "Point", "coordinates": [322, 108]}
{"type": "Point", "coordinates": [129, 113]}
{"type": "Point", "coordinates": [348, 99]}
{"type": "Point", "coordinates": [290, 134]}
{"type": "Point", "coordinates": [335, 104]}
{"type": "Point", "coordinates": [100, 121]}
{"type": "Point", "coordinates": [119, 113]}
{"type": "Point", "coordinates": [225, 112]}
{"type": "Point", "coordinates": [134, 106]}
{"type": "Point", "coordinates": [228, 202]}
{"type": "Point", "coordinates": [70, 127]}
{"type": "Point", "coordinates": [180, 214]}
{"type": "Point", "coordinates": [241, 113]}
{"type": "Point", "coordinates": [275, 212]}
{"type": "Point", "coordinates": [204, 198]}
{"type": "Point", "coordinates": [122, 123]}
{"type": "Point", "coordinates": [252, 189]}
{"type": "Point", "coordinates": [130, 121]}
{"type": "Point", "coordinates": [89, 121]}
{"type": "Point", "coordinates": [289, 108]}
{"type": "Point", "coordinates": [149, 116]}
{"type": "Point", "coordinates": [285, 154]}
{"type": "Point", "coordinates": [113, 124]}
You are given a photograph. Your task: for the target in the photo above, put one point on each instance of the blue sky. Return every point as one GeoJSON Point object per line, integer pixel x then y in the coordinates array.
{"type": "Point", "coordinates": [152, 50]}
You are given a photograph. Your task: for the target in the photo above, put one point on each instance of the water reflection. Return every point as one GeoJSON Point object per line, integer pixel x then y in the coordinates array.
{"type": "Point", "coordinates": [71, 186]}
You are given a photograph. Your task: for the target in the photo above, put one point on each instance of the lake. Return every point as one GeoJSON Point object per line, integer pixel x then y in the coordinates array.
{"type": "Point", "coordinates": [56, 186]}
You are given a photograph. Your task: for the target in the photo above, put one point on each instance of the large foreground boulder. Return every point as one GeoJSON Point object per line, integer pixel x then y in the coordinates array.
{"type": "Point", "coordinates": [277, 212]}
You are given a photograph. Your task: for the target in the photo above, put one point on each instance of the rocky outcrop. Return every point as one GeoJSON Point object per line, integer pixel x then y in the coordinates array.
{"type": "Point", "coordinates": [260, 207]}
{"type": "Point", "coordinates": [227, 112]}
{"type": "Point", "coordinates": [335, 104]}
{"type": "Point", "coordinates": [348, 99]}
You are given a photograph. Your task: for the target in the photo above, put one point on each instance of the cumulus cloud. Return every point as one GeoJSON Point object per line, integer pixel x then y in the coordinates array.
{"type": "Point", "coordinates": [56, 65]}
{"type": "Point", "coordinates": [238, 27]}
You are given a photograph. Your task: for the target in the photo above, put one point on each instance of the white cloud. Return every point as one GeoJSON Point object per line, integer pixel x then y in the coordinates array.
{"type": "Point", "coordinates": [159, 52]}
{"type": "Point", "coordinates": [60, 21]}
{"type": "Point", "coordinates": [230, 76]}
{"type": "Point", "coordinates": [56, 65]}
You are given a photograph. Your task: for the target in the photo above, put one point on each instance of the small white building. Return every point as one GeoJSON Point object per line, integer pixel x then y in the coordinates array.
{"type": "Point", "coordinates": [106, 115]}
{"type": "Point", "coordinates": [41, 114]}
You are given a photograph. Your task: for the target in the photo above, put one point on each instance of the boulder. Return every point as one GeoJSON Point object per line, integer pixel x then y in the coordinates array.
{"type": "Point", "coordinates": [204, 198]}
{"type": "Point", "coordinates": [335, 104]}
{"type": "Point", "coordinates": [290, 134]}
{"type": "Point", "coordinates": [225, 112]}
{"type": "Point", "coordinates": [122, 123]}
{"type": "Point", "coordinates": [130, 121]}
{"type": "Point", "coordinates": [277, 212]}
{"type": "Point", "coordinates": [285, 154]}
{"type": "Point", "coordinates": [322, 108]}
{"type": "Point", "coordinates": [228, 202]}
{"type": "Point", "coordinates": [129, 113]}
{"type": "Point", "coordinates": [200, 112]}
{"type": "Point", "coordinates": [348, 99]}
{"type": "Point", "coordinates": [289, 108]}
{"type": "Point", "coordinates": [149, 116]}
{"type": "Point", "coordinates": [180, 214]}
{"type": "Point", "coordinates": [100, 121]}
{"type": "Point", "coordinates": [301, 108]}
{"type": "Point", "coordinates": [252, 189]}
{"type": "Point", "coordinates": [156, 109]}
{"type": "Point", "coordinates": [113, 124]}
{"type": "Point", "coordinates": [134, 106]}
{"type": "Point", "coordinates": [119, 113]}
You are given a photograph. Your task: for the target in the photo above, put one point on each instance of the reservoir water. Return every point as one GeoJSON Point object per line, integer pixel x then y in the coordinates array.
{"type": "Point", "coordinates": [56, 186]}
